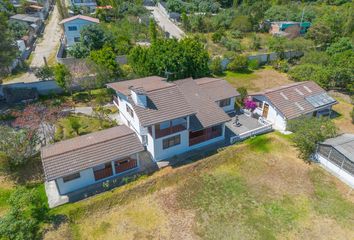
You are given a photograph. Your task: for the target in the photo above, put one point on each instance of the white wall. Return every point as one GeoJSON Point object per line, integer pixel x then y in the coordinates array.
{"type": "Point", "coordinates": [335, 170]}
{"type": "Point", "coordinates": [274, 116]}
{"type": "Point", "coordinates": [86, 178]}
{"type": "Point", "coordinates": [70, 35]}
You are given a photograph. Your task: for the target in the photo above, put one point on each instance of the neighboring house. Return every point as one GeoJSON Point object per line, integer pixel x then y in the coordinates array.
{"type": "Point", "coordinates": [278, 105]}
{"type": "Point", "coordinates": [171, 118]}
{"type": "Point", "coordinates": [337, 156]}
{"type": "Point", "coordinates": [88, 4]}
{"type": "Point", "coordinates": [34, 23]}
{"type": "Point", "coordinates": [288, 28]}
{"type": "Point", "coordinates": [73, 26]}
{"type": "Point", "coordinates": [79, 162]}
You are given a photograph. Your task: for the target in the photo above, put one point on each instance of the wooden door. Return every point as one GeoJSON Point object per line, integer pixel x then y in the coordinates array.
{"type": "Point", "coordinates": [265, 110]}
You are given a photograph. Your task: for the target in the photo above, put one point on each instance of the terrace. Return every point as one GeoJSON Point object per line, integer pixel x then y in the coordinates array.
{"type": "Point", "coordinates": [243, 126]}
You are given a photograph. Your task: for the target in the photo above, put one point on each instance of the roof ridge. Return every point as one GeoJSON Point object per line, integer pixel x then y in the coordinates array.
{"type": "Point", "coordinates": [284, 87]}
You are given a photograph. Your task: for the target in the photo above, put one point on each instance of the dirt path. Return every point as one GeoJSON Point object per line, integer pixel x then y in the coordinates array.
{"type": "Point", "coordinates": [46, 47]}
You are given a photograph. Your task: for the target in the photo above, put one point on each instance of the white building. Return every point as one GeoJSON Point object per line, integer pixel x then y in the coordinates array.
{"type": "Point", "coordinates": [171, 118]}
{"type": "Point", "coordinates": [73, 26]}
{"type": "Point", "coordinates": [80, 162]}
{"type": "Point", "coordinates": [337, 156]}
{"type": "Point", "coordinates": [278, 105]}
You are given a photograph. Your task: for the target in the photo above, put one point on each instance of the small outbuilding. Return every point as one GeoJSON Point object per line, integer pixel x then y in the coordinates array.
{"type": "Point", "coordinates": [337, 156]}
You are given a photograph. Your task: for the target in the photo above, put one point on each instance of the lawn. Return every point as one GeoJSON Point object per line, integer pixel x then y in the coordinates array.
{"type": "Point", "coordinates": [344, 120]}
{"type": "Point", "coordinates": [65, 129]}
{"type": "Point", "coordinates": [255, 190]}
{"type": "Point", "coordinates": [257, 80]}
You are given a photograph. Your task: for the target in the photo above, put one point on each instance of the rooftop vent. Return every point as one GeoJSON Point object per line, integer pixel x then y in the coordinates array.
{"type": "Point", "coordinates": [308, 89]}
{"type": "Point", "coordinates": [299, 92]}
{"type": "Point", "coordinates": [283, 95]}
{"type": "Point", "coordinates": [139, 97]}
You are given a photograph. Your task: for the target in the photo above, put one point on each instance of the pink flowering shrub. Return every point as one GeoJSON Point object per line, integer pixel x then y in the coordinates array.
{"type": "Point", "coordinates": [249, 104]}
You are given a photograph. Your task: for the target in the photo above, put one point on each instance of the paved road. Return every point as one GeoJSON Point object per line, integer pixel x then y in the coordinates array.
{"type": "Point", "coordinates": [45, 48]}
{"type": "Point", "coordinates": [165, 23]}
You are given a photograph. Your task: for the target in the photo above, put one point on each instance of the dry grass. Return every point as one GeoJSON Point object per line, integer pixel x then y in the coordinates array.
{"type": "Point", "coordinates": [256, 190]}
{"type": "Point", "coordinates": [258, 80]}
{"type": "Point", "coordinates": [344, 107]}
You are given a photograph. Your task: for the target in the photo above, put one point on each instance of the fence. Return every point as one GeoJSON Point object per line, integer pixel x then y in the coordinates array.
{"type": "Point", "coordinates": [42, 87]}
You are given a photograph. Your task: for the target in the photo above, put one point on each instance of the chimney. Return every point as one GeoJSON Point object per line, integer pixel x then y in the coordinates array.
{"type": "Point", "coordinates": [139, 97]}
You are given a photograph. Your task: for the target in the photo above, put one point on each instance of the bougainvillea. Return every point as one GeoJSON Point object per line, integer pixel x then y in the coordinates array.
{"type": "Point", "coordinates": [249, 104]}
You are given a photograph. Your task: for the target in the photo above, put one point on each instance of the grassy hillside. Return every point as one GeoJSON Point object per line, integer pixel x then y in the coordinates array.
{"type": "Point", "coordinates": [254, 190]}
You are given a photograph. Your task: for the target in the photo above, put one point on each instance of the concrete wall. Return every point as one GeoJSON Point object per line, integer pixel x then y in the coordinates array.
{"type": "Point", "coordinates": [43, 87]}
{"type": "Point", "coordinates": [70, 35]}
{"type": "Point", "coordinates": [336, 171]}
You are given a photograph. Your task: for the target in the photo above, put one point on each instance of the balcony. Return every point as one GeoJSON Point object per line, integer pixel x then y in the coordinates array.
{"type": "Point", "coordinates": [205, 135]}
{"type": "Point", "coordinates": [170, 130]}
{"type": "Point", "coordinates": [103, 173]}
{"type": "Point", "coordinates": [115, 101]}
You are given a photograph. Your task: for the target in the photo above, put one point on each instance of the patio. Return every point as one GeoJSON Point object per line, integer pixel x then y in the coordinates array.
{"type": "Point", "coordinates": [248, 127]}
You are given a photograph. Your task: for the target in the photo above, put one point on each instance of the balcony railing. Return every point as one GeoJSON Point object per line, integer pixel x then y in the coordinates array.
{"type": "Point", "coordinates": [126, 165]}
{"type": "Point", "coordinates": [204, 137]}
{"type": "Point", "coordinates": [115, 100]}
{"type": "Point", "coordinates": [168, 131]}
{"type": "Point", "coordinates": [103, 173]}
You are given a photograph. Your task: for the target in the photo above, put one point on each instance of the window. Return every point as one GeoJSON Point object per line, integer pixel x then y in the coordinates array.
{"type": "Point", "coordinates": [130, 111]}
{"type": "Point", "coordinates": [72, 28]}
{"type": "Point", "coordinates": [225, 102]}
{"type": "Point", "coordinates": [76, 39]}
{"type": "Point", "coordinates": [172, 141]}
{"type": "Point", "coordinates": [217, 128]}
{"type": "Point", "coordinates": [71, 177]}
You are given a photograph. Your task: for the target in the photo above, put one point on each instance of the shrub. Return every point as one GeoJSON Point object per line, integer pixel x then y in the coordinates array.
{"type": "Point", "coordinates": [243, 92]}
{"type": "Point", "coordinates": [253, 64]}
{"type": "Point", "coordinates": [237, 34]}
{"type": "Point", "coordinates": [238, 64]}
{"type": "Point", "coordinates": [216, 37]}
{"type": "Point", "coordinates": [231, 44]}
{"type": "Point", "coordinates": [281, 65]}
{"type": "Point", "coordinates": [352, 114]}
{"type": "Point", "coordinates": [215, 66]}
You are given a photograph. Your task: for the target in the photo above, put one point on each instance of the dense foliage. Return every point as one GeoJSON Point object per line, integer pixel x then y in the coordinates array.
{"type": "Point", "coordinates": [171, 58]}
{"type": "Point", "coordinates": [310, 131]}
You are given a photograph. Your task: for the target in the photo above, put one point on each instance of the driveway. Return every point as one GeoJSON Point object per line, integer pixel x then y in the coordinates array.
{"type": "Point", "coordinates": [46, 47]}
{"type": "Point", "coordinates": [165, 23]}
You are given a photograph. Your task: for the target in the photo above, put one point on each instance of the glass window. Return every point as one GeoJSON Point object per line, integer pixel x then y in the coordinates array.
{"type": "Point", "coordinates": [130, 111]}
{"type": "Point", "coordinates": [165, 125]}
{"type": "Point", "coordinates": [225, 102]}
{"type": "Point", "coordinates": [71, 177]}
{"type": "Point", "coordinates": [72, 28]}
{"type": "Point", "coordinates": [172, 141]}
{"type": "Point", "coordinates": [77, 39]}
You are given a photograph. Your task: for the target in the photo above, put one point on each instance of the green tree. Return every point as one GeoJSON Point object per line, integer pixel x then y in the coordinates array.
{"type": "Point", "coordinates": [8, 49]}
{"type": "Point", "coordinates": [17, 145]}
{"type": "Point", "coordinates": [278, 45]}
{"type": "Point", "coordinates": [315, 57]}
{"type": "Point", "coordinates": [256, 42]}
{"type": "Point", "coordinates": [75, 124]}
{"type": "Point", "coordinates": [242, 23]}
{"type": "Point", "coordinates": [18, 29]}
{"type": "Point", "coordinates": [93, 36]}
{"type": "Point", "coordinates": [215, 66]}
{"type": "Point", "coordinates": [152, 31]}
{"type": "Point", "coordinates": [321, 75]}
{"type": "Point", "coordinates": [26, 212]}
{"type": "Point", "coordinates": [238, 64]}
{"type": "Point", "coordinates": [308, 132]}
{"type": "Point", "coordinates": [62, 76]}
{"type": "Point", "coordinates": [243, 93]}
{"type": "Point", "coordinates": [321, 34]}
{"type": "Point", "coordinates": [78, 50]}
{"type": "Point", "coordinates": [106, 59]}
{"type": "Point", "coordinates": [185, 21]}
{"type": "Point", "coordinates": [342, 45]}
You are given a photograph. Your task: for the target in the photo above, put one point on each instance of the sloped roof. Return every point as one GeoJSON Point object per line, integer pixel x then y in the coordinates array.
{"type": "Point", "coordinates": [217, 89]}
{"type": "Point", "coordinates": [343, 144]}
{"type": "Point", "coordinates": [76, 154]}
{"type": "Point", "coordinates": [294, 100]}
{"type": "Point", "coordinates": [87, 18]}
{"type": "Point", "coordinates": [171, 100]}
{"type": "Point", "coordinates": [208, 113]}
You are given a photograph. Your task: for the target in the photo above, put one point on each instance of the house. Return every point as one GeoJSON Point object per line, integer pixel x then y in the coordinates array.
{"type": "Point", "coordinates": [171, 118]}
{"type": "Point", "coordinates": [278, 105]}
{"type": "Point", "coordinates": [337, 156]}
{"type": "Point", "coordinates": [86, 4]}
{"type": "Point", "coordinates": [288, 28]}
{"type": "Point", "coordinates": [34, 23]}
{"type": "Point", "coordinates": [79, 162]}
{"type": "Point", "coordinates": [73, 26]}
